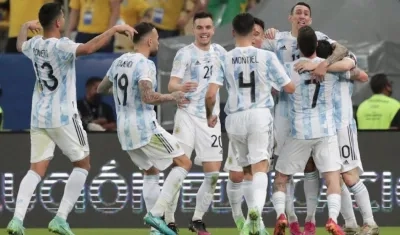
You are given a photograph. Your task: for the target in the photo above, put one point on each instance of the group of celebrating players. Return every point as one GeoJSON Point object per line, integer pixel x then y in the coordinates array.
{"type": "Point", "coordinates": [312, 75]}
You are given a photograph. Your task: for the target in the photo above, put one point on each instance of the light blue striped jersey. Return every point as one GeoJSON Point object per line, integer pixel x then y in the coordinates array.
{"type": "Point", "coordinates": [343, 104]}
{"type": "Point", "coordinates": [285, 47]}
{"type": "Point", "coordinates": [249, 74]}
{"type": "Point", "coordinates": [312, 104]}
{"type": "Point", "coordinates": [196, 65]}
{"type": "Point", "coordinates": [136, 120]}
{"type": "Point", "coordinates": [54, 94]}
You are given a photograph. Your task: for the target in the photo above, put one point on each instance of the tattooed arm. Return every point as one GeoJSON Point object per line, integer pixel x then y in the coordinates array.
{"type": "Point", "coordinates": [359, 75]}
{"type": "Point", "coordinates": [339, 52]}
{"type": "Point", "coordinates": [149, 96]}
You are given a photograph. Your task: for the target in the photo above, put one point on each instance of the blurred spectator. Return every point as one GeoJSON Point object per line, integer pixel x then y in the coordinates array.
{"type": "Point", "coordinates": [224, 11]}
{"type": "Point", "coordinates": [1, 112]}
{"type": "Point", "coordinates": [380, 111]}
{"type": "Point", "coordinates": [93, 17]}
{"type": "Point", "coordinates": [167, 16]}
{"type": "Point", "coordinates": [95, 114]}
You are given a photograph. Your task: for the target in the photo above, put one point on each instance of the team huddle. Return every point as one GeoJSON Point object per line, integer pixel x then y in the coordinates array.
{"type": "Point", "coordinates": [311, 129]}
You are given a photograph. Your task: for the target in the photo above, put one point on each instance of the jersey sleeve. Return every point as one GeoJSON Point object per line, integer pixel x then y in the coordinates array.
{"type": "Point", "coordinates": [66, 49]}
{"type": "Point", "coordinates": [276, 72]}
{"type": "Point", "coordinates": [219, 75]}
{"type": "Point", "coordinates": [27, 48]}
{"type": "Point", "coordinates": [144, 72]}
{"type": "Point", "coordinates": [322, 36]}
{"type": "Point", "coordinates": [180, 64]}
{"type": "Point", "coordinates": [269, 45]}
{"type": "Point", "coordinates": [345, 75]}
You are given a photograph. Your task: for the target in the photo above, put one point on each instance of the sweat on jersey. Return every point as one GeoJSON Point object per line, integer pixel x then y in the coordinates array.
{"type": "Point", "coordinates": [196, 65]}
{"type": "Point", "coordinates": [54, 95]}
{"type": "Point", "coordinates": [136, 120]}
{"type": "Point", "coordinates": [249, 74]}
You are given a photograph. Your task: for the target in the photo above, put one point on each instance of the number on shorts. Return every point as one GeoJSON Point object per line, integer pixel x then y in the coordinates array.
{"type": "Point", "coordinates": [251, 85]}
{"type": "Point", "coordinates": [49, 74]}
{"type": "Point", "coordinates": [122, 84]}
{"type": "Point", "coordinates": [215, 139]}
{"type": "Point", "coordinates": [208, 71]}
{"type": "Point", "coordinates": [316, 91]}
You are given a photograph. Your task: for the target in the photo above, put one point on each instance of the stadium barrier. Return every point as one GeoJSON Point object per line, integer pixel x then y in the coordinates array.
{"type": "Point", "coordinates": [112, 197]}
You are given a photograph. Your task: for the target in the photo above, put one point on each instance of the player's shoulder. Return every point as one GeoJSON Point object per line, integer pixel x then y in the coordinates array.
{"type": "Point", "coordinates": [283, 35]}
{"type": "Point", "coordinates": [321, 36]}
{"type": "Point", "coordinates": [186, 49]}
{"type": "Point", "coordinates": [218, 48]}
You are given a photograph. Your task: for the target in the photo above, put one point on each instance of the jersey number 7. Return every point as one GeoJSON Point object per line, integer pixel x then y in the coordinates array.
{"type": "Point", "coordinates": [316, 91]}
{"type": "Point", "coordinates": [251, 85]}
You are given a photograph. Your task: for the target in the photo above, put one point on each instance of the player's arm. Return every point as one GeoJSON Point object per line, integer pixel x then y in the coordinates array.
{"type": "Point", "coordinates": [214, 84]}
{"type": "Point", "coordinates": [105, 86]}
{"type": "Point", "coordinates": [277, 74]}
{"type": "Point", "coordinates": [33, 26]}
{"type": "Point", "coordinates": [358, 75]}
{"type": "Point", "coordinates": [179, 67]}
{"type": "Point", "coordinates": [149, 96]}
{"type": "Point", "coordinates": [73, 17]}
{"type": "Point", "coordinates": [114, 9]}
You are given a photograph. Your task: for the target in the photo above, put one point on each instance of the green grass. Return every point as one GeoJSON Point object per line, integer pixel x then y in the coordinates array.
{"type": "Point", "coordinates": [214, 231]}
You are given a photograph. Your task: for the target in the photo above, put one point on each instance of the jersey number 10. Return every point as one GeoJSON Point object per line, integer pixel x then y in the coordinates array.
{"type": "Point", "coordinates": [251, 85]}
{"type": "Point", "coordinates": [122, 85]}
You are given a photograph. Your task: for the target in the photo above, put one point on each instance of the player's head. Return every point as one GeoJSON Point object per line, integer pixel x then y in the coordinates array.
{"type": "Point", "coordinates": [243, 25]}
{"type": "Point", "coordinates": [324, 49]}
{"type": "Point", "coordinates": [258, 32]}
{"type": "Point", "coordinates": [307, 41]}
{"type": "Point", "coordinates": [51, 16]}
{"type": "Point", "coordinates": [380, 84]}
{"type": "Point", "coordinates": [300, 15]}
{"type": "Point", "coordinates": [146, 37]}
{"type": "Point", "coordinates": [91, 89]}
{"type": "Point", "coordinates": [203, 28]}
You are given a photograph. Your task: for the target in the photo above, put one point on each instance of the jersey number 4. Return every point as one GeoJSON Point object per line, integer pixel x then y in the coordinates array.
{"type": "Point", "coordinates": [316, 91]}
{"type": "Point", "coordinates": [251, 85]}
{"type": "Point", "coordinates": [122, 84]}
{"type": "Point", "coordinates": [50, 75]}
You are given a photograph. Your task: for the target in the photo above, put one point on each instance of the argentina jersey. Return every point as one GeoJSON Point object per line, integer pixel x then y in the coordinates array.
{"type": "Point", "coordinates": [54, 94]}
{"type": "Point", "coordinates": [312, 105]}
{"type": "Point", "coordinates": [196, 65]}
{"type": "Point", "coordinates": [136, 120]}
{"type": "Point", "coordinates": [249, 74]}
{"type": "Point", "coordinates": [286, 49]}
{"type": "Point", "coordinates": [343, 104]}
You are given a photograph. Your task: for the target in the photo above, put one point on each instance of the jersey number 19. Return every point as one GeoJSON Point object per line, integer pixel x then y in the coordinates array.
{"type": "Point", "coordinates": [122, 85]}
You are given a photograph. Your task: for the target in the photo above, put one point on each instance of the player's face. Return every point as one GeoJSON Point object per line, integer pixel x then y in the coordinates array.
{"type": "Point", "coordinates": [203, 31]}
{"type": "Point", "coordinates": [258, 36]}
{"type": "Point", "coordinates": [301, 17]}
{"type": "Point", "coordinates": [153, 42]}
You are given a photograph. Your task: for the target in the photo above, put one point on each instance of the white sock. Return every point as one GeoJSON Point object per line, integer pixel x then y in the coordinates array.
{"type": "Point", "coordinates": [311, 191]}
{"type": "Point", "coordinates": [362, 198]}
{"type": "Point", "coordinates": [260, 185]}
{"type": "Point", "coordinates": [346, 209]}
{"type": "Point", "coordinates": [247, 187]}
{"type": "Point", "coordinates": [171, 208]}
{"type": "Point", "coordinates": [235, 197]}
{"type": "Point", "coordinates": [151, 190]}
{"type": "Point", "coordinates": [25, 192]}
{"type": "Point", "coordinates": [205, 195]}
{"type": "Point", "coordinates": [334, 206]}
{"type": "Point", "coordinates": [171, 187]}
{"type": "Point", "coordinates": [278, 199]}
{"type": "Point", "coordinates": [72, 191]}
{"type": "Point", "coordinates": [290, 211]}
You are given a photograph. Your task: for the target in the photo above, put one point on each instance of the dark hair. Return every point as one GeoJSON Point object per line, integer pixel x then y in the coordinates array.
{"type": "Point", "coordinates": [91, 81]}
{"type": "Point", "coordinates": [378, 83]}
{"type": "Point", "coordinates": [307, 41]}
{"type": "Point", "coordinates": [142, 29]}
{"type": "Point", "coordinates": [202, 15]}
{"type": "Point", "coordinates": [259, 22]}
{"type": "Point", "coordinates": [300, 4]}
{"type": "Point", "coordinates": [243, 24]}
{"type": "Point", "coordinates": [324, 49]}
{"type": "Point", "coordinates": [48, 13]}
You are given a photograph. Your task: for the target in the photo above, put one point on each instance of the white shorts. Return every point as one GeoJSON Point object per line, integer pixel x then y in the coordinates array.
{"type": "Point", "coordinates": [281, 132]}
{"type": "Point", "coordinates": [195, 134]}
{"type": "Point", "coordinates": [296, 152]}
{"type": "Point", "coordinates": [251, 134]}
{"type": "Point", "coordinates": [159, 152]}
{"type": "Point", "coordinates": [71, 139]}
{"type": "Point", "coordinates": [348, 148]}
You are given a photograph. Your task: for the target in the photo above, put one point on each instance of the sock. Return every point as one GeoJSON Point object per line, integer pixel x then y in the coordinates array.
{"type": "Point", "coordinates": [235, 197]}
{"type": "Point", "coordinates": [171, 208]}
{"type": "Point", "coordinates": [334, 206]}
{"type": "Point", "coordinates": [151, 190]}
{"type": "Point", "coordinates": [25, 192]}
{"type": "Point", "coordinates": [311, 191]}
{"type": "Point", "coordinates": [290, 211]}
{"type": "Point", "coordinates": [278, 199]}
{"type": "Point", "coordinates": [362, 198]}
{"type": "Point", "coordinates": [346, 209]}
{"type": "Point", "coordinates": [172, 185]}
{"type": "Point", "coordinates": [260, 185]}
{"type": "Point", "coordinates": [205, 195]}
{"type": "Point", "coordinates": [247, 187]}
{"type": "Point", "coordinates": [72, 191]}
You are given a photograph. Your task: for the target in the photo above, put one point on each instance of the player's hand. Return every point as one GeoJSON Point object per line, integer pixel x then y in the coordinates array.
{"type": "Point", "coordinates": [270, 33]}
{"type": "Point", "coordinates": [302, 66]}
{"type": "Point", "coordinates": [180, 98]}
{"type": "Point", "coordinates": [100, 121]}
{"type": "Point", "coordinates": [189, 86]}
{"type": "Point", "coordinates": [125, 30]}
{"type": "Point", "coordinates": [212, 121]}
{"type": "Point", "coordinates": [34, 26]}
{"type": "Point", "coordinates": [320, 71]}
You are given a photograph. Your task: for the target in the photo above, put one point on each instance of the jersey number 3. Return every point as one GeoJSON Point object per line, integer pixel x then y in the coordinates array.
{"type": "Point", "coordinates": [316, 91]}
{"type": "Point", "coordinates": [251, 85]}
{"type": "Point", "coordinates": [122, 84]}
{"type": "Point", "coordinates": [50, 75]}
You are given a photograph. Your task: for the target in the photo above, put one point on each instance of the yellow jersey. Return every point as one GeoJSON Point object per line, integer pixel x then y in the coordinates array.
{"type": "Point", "coordinates": [166, 13]}
{"type": "Point", "coordinates": [132, 11]}
{"type": "Point", "coordinates": [94, 15]}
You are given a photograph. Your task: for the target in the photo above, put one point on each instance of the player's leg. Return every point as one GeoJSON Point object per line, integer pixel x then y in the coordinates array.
{"type": "Point", "coordinates": [347, 211]}
{"type": "Point", "coordinates": [327, 159]}
{"type": "Point", "coordinates": [73, 142]}
{"type": "Point", "coordinates": [351, 171]}
{"type": "Point", "coordinates": [311, 191]}
{"type": "Point", "coordinates": [42, 150]}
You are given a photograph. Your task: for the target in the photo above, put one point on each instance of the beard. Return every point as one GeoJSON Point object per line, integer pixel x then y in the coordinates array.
{"type": "Point", "coordinates": [153, 53]}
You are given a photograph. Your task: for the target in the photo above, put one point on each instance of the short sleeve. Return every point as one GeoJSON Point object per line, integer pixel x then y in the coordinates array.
{"type": "Point", "coordinates": [219, 75]}
{"type": "Point", "coordinates": [345, 75]}
{"type": "Point", "coordinates": [27, 48]}
{"type": "Point", "coordinates": [75, 4]}
{"type": "Point", "coordinates": [66, 49]}
{"type": "Point", "coordinates": [109, 72]}
{"type": "Point", "coordinates": [269, 45]}
{"type": "Point", "coordinates": [276, 72]}
{"type": "Point", "coordinates": [180, 64]}
{"type": "Point", "coordinates": [145, 71]}
{"type": "Point", "coordinates": [322, 36]}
